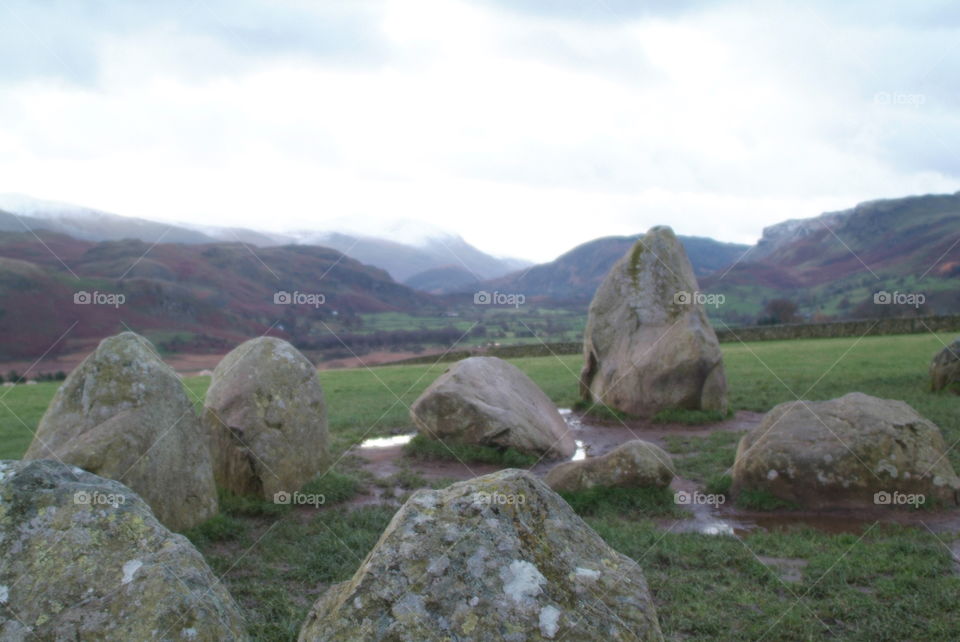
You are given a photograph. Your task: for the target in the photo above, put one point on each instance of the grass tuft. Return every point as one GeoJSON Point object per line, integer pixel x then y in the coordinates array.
{"type": "Point", "coordinates": [763, 500]}
{"type": "Point", "coordinates": [219, 528]}
{"type": "Point", "coordinates": [641, 502]}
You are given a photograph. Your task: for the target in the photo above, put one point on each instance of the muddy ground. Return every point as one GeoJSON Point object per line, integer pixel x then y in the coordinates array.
{"type": "Point", "coordinates": [599, 437]}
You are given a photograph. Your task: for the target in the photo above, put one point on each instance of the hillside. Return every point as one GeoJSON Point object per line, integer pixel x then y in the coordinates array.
{"type": "Point", "coordinates": [188, 297]}
{"type": "Point", "coordinates": [833, 264]}
{"type": "Point", "coordinates": [405, 250]}
{"type": "Point", "coordinates": [404, 261]}
{"type": "Point", "coordinates": [574, 276]}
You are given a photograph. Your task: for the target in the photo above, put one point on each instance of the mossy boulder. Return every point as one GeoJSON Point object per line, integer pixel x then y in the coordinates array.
{"type": "Point", "coordinates": [487, 401]}
{"type": "Point", "coordinates": [84, 558]}
{"type": "Point", "coordinates": [635, 464]}
{"type": "Point", "coordinates": [648, 345]}
{"type": "Point", "coordinates": [945, 368]}
{"type": "Point", "coordinates": [499, 557]}
{"type": "Point", "coordinates": [266, 419]}
{"type": "Point", "coordinates": [842, 452]}
{"type": "Point", "coordinates": [123, 414]}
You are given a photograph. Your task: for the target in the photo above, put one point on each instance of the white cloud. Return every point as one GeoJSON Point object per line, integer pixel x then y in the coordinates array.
{"type": "Point", "coordinates": [526, 131]}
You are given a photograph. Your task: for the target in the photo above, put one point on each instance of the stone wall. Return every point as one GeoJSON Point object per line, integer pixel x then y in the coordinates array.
{"type": "Point", "coordinates": [858, 328]}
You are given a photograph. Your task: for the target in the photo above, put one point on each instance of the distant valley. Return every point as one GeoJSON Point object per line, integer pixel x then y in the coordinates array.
{"type": "Point", "coordinates": [195, 290]}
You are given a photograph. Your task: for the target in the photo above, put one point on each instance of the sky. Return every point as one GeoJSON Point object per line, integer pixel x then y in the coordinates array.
{"type": "Point", "coordinates": [526, 127]}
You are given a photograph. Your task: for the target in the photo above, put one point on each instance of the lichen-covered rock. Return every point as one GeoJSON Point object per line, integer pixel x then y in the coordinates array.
{"type": "Point", "coordinates": [83, 558]}
{"type": "Point", "coordinates": [489, 402]}
{"type": "Point", "coordinates": [648, 345]}
{"type": "Point", "coordinates": [499, 557]}
{"type": "Point", "coordinates": [123, 414]}
{"type": "Point", "coordinates": [945, 368]}
{"type": "Point", "coordinates": [635, 464]}
{"type": "Point", "coordinates": [266, 419]}
{"type": "Point", "coordinates": [843, 452]}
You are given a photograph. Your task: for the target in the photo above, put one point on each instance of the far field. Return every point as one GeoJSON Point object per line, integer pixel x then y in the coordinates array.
{"type": "Point", "coordinates": [878, 582]}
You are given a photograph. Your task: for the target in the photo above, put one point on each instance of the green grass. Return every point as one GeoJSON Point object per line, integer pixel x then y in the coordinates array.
{"type": "Point", "coordinates": [703, 458]}
{"type": "Point", "coordinates": [421, 447]}
{"type": "Point", "coordinates": [762, 499]}
{"type": "Point", "coordinates": [21, 408]}
{"type": "Point", "coordinates": [894, 583]}
{"type": "Point", "coordinates": [642, 502]}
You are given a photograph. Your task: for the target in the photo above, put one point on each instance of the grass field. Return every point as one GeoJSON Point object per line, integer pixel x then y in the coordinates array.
{"type": "Point", "coordinates": [885, 583]}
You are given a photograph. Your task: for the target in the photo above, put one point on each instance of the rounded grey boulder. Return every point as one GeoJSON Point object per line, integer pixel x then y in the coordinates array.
{"type": "Point", "coordinates": [123, 414]}
{"type": "Point", "coordinates": [945, 368]}
{"type": "Point", "coordinates": [83, 558]}
{"type": "Point", "coordinates": [488, 402]}
{"type": "Point", "coordinates": [266, 419]}
{"type": "Point", "coordinates": [648, 345]}
{"type": "Point", "coordinates": [635, 464]}
{"type": "Point", "coordinates": [499, 557]}
{"type": "Point", "coordinates": [844, 452]}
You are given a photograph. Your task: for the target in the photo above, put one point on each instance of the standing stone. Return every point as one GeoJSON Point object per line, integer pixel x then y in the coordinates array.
{"type": "Point", "coordinates": [266, 419]}
{"type": "Point", "coordinates": [648, 345]}
{"type": "Point", "coordinates": [83, 558]}
{"type": "Point", "coordinates": [123, 414]}
{"type": "Point", "coordinates": [487, 401]}
{"type": "Point", "coordinates": [945, 368]}
{"type": "Point", "coordinates": [635, 464]}
{"type": "Point", "coordinates": [841, 453]}
{"type": "Point", "coordinates": [498, 557]}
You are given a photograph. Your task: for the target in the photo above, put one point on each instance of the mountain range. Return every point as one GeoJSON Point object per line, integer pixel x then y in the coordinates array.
{"type": "Point", "coordinates": [422, 249]}
{"type": "Point", "coordinates": [193, 292]}
{"type": "Point", "coordinates": [574, 276]}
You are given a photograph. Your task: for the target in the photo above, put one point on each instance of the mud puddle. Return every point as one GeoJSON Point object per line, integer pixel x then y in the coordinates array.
{"type": "Point", "coordinates": [384, 457]}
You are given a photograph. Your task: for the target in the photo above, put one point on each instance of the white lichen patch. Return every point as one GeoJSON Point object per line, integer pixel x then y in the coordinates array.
{"type": "Point", "coordinates": [772, 474]}
{"type": "Point", "coordinates": [587, 574]}
{"type": "Point", "coordinates": [129, 570]}
{"type": "Point", "coordinates": [4, 594]}
{"type": "Point", "coordinates": [522, 580]}
{"type": "Point", "coordinates": [549, 621]}
{"type": "Point", "coordinates": [887, 467]}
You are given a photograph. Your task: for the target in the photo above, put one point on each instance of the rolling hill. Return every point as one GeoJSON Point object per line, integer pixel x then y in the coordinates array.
{"type": "Point", "coordinates": [574, 276]}
{"type": "Point", "coordinates": [404, 249]}
{"type": "Point", "coordinates": [833, 264]}
{"type": "Point", "coordinates": [193, 297]}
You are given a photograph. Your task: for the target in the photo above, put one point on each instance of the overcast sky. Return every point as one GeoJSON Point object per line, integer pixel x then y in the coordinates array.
{"type": "Point", "coordinates": [526, 127]}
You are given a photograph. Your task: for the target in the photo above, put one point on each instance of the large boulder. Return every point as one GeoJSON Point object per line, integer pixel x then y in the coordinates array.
{"type": "Point", "coordinates": [634, 464]}
{"type": "Point", "coordinates": [83, 558]}
{"type": "Point", "coordinates": [499, 557]}
{"type": "Point", "coordinates": [123, 414]}
{"type": "Point", "coordinates": [266, 418]}
{"type": "Point", "coordinates": [945, 368]}
{"type": "Point", "coordinates": [648, 345]}
{"type": "Point", "coordinates": [489, 402]}
{"type": "Point", "coordinates": [842, 452]}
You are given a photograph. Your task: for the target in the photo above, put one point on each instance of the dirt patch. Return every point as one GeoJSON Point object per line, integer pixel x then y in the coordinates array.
{"type": "Point", "coordinates": [600, 437]}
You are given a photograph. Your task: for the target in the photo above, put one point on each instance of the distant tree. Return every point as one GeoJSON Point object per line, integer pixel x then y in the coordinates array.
{"type": "Point", "coordinates": [779, 311]}
{"type": "Point", "coordinates": [13, 376]}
